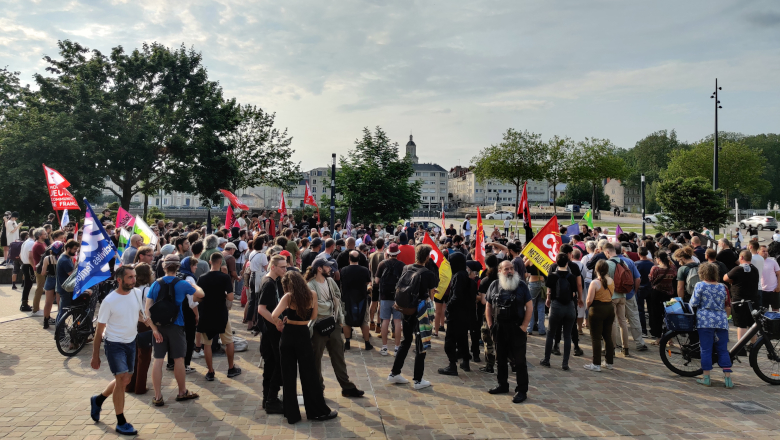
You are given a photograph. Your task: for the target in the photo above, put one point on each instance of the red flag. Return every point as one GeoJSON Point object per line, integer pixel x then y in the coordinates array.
{"type": "Point", "coordinates": [308, 199]}
{"type": "Point", "coordinates": [282, 206]}
{"type": "Point", "coordinates": [543, 249]}
{"type": "Point", "coordinates": [523, 209]}
{"type": "Point", "coordinates": [234, 200]}
{"type": "Point", "coordinates": [60, 197]}
{"type": "Point", "coordinates": [230, 218]}
{"type": "Point", "coordinates": [480, 250]}
{"type": "Point", "coordinates": [443, 227]}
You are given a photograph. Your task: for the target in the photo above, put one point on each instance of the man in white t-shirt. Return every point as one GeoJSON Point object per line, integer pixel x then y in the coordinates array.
{"type": "Point", "coordinates": [28, 273]}
{"type": "Point", "coordinates": [118, 320]}
{"type": "Point", "coordinates": [757, 261]}
{"type": "Point", "coordinates": [258, 262]}
{"type": "Point", "coordinates": [467, 229]}
{"type": "Point", "coordinates": [770, 277]}
{"type": "Point", "coordinates": [507, 225]}
{"type": "Point", "coordinates": [12, 228]}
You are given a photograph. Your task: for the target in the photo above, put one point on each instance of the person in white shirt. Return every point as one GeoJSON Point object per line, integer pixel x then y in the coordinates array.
{"type": "Point", "coordinates": [12, 228]}
{"type": "Point", "coordinates": [770, 277]}
{"type": "Point", "coordinates": [757, 261]}
{"type": "Point", "coordinates": [258, 262]}
{"type": "Point", "coordinates": [467, 229]}
{"type": "Point", "coordinates": [242, 223]}
{"type": "Point", "coordinates": [776, 235]}
{"type": "Point", "coordinates": [117, 327]}
{"type": "Point", "coordinates": [28, 274]}
{"type": "Point", "coordinates": [507, 225]}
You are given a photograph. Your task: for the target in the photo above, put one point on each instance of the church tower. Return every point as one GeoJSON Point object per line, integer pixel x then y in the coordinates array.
{"type": "Point", "coordinates": [411, 150]}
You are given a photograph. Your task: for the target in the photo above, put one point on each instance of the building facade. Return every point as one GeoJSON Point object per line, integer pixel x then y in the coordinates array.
{"type": "Point", "coordinates": [433, 191]}
{"type": "Point", "coordinates": [466, 190]}
{"type": "Point", "coordinates": [627, 198]}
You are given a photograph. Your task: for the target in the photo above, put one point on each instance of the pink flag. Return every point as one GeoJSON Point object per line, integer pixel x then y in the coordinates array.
{"type": "Point", "coordinates": [124, 219]}
{"type": "Point", "coordinates": [618, 231]}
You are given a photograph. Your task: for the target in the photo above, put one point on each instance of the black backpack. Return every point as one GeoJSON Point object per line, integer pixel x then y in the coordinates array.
{"type": "Point", "coordinates": [563, 293]}
{"type": "Point", "coordinates": [164, 311]}
{"type": "Point", "coordinates": [407, 291]}
{"type": "Point", "coordinates": [391, 275]}
{"type": "Point", "coordinates": [236, 253]}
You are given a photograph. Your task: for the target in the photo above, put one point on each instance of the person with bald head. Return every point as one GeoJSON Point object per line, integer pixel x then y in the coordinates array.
{"type": "Point", "coordinates": [343, 259]}
{"type": "Point", "coordinates": [128, 256]}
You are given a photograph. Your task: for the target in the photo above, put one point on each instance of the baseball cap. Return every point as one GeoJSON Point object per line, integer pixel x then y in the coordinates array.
{"type": "Point", "coordinates": [171, 260]}
{"type": "Point", "coordinates": [319, 262]}
{"type": "Point", "coordinates": [222, 240]}
{"type": "Point", "coordinates": [230, 246]}
{"type": "Point", "coordinates": [393, 249]}
{"type": "Point", "coordinates": [316, 242]}
{"type": "Point", "coordinates": [167, 249]}
{"type": "Point", "coordinates": [284, 253]}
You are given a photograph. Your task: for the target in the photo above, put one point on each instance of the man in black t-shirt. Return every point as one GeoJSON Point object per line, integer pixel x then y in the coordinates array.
{"type": "Point", "coordinates": [451, 231]}
{"type": "Point", "coordinates": [213, 320]}
{"type": "Point", "coordinates": [307, 258]}
{"type": "Point", "coordinates": [343, 258]}
{"type": "Point", "coordinates": [744, 286]}
{"type": "Point", "coordinates": [355, 280]}
{"type": "Point", "coordinates": [270, 293]}
{"type": "Point", "coordinates": [411, 325]}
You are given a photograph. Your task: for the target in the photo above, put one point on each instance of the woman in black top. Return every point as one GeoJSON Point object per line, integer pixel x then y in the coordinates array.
{"type": "Point", "coordinates": [299, 305]}
{"type": "Point", "coordinates": [561, 291]}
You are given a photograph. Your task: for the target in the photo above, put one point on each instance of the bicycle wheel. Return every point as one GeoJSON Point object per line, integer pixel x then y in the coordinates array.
{"type": "Point", "coordinates": [680, 354]}
{"type": "Point", "coordinates": [67, 334]}
{"type": "Point", "coordinates": [766, 365]}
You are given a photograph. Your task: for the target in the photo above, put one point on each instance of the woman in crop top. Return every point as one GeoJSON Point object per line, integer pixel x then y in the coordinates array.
{"type": "Point", "coordinates": [299, 306]}
{"type": "Point", "coordinates": [601, 315]}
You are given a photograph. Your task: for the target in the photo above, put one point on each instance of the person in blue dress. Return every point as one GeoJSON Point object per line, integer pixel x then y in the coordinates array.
{"type": "Point", "coordinates": [709, 296]}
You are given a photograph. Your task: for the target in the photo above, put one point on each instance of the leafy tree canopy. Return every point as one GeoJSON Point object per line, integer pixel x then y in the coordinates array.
{"type": "Point", "coordinates": [579, 192]}
{"type": "Point", "coordinates": [690, 204]}
{"type": "Point", "coordinates": [374, 181]}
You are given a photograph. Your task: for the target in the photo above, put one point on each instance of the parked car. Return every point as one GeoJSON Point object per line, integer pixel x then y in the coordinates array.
{"type": "Point", "coordinates": [759, 221]}
{"type": "Point", "coordinates": [500, 215]}
{"type": "Point", "coordinates": [653, 218]}
{"type": "Point", "coordinates": [572, 208]}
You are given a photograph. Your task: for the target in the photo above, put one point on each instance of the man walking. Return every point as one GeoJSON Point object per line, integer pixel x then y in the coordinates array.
{"type": "Point", "coordinates": [170, 338]}
{"type": "Point", "coordinates": [214, 320]}
{"type": "Point", "coordinates": [117, 327]}
{"type": "Point", "coordinates": [508, 311]}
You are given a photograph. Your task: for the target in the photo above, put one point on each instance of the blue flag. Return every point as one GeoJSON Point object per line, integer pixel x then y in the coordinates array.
{"type": "Point", "coordinates": [97, 250]}
{"type": "Point", "coordinates": [573, 229]}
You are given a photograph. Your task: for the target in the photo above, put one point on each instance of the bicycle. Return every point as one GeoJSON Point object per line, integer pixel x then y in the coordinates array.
{"type": "Point", "coordinates": [681, 353]}
{"type": "Point", "coordinates": [77, 324]}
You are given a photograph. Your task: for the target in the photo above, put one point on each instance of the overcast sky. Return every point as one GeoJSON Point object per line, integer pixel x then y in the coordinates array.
{"type": "Point", "coordinates": [456, 74]}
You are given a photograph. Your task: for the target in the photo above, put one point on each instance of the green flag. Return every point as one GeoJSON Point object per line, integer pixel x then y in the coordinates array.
{"type": "Point", "coordinates": [588, 217]}
{"type": "Point", "coordinates": [572, 216]}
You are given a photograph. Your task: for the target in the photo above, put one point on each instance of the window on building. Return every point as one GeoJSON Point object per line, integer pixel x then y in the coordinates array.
{"type": "Point", "coordinates": [417, 174]}
{"type": "Point", "coordinates": [165, 201]}
{"type": "Point", "coordinates": [314, 182]}
{"type": "Point", "coordinates": [136, 198]}
{"type": "Point", "coordinates": [187, 202]}
{"type": "Point", "coordinates": [319, 173]}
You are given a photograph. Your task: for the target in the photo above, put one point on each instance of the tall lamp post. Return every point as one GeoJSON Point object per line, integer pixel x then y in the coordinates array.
{"type": "Point", "coordinates": [715, 146]}
{"type": "Point", "coordinates": [642, 188]}
{"type": "Point", "coordinates": [333, 196]}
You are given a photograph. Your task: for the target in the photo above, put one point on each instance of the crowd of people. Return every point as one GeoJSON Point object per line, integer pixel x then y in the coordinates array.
{"type": "Point", "coordinates": [308, 288]}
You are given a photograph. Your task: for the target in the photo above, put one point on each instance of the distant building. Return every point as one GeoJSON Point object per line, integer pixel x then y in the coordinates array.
{"type": "Point", "coordinates": [465, 190]}
{"type": "Point", "coordinates": [433, 192]}
{"type": "Point", "coordinates": [627, 198]}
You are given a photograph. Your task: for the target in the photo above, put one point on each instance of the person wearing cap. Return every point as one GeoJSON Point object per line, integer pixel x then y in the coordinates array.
{"type": "Point", "coordinates": [166, 250]}
{"type": "Point", "coordinates": [170, 338]}
{"type": "Point", "coordinates": [329, 304]}
{"type": "Point", "coordinates": [288, 257]}
{"type": "Point", "coordinates": [230, 261]}
{"type": "Point", "coordinates": [310, 254]}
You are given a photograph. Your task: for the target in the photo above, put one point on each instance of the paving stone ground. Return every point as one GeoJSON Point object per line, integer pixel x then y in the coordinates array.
{"type": "Point", "coordinates": [44, 395]}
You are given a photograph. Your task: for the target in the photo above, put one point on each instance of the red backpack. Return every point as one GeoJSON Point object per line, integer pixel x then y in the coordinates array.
{"type": "Point", "coordinates": [624, 279]}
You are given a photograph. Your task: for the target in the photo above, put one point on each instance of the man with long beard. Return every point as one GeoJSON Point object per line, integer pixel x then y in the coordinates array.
{"type": "Point", "coordinates": [508, 311]}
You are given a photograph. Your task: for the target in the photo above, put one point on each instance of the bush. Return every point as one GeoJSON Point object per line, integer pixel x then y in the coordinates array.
{"type": "Point", "coordinates": [690, 204]}
{"type": "Point", "coordinates": [114, 206]}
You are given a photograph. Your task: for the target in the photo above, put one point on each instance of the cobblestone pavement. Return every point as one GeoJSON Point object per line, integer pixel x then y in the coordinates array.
{"type": "Point", "coordinates": [44, 395]}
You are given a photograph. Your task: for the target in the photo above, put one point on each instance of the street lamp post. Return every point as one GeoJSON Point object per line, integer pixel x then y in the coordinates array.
{"type": "Point", "coordinates": [642, 188]}
{"type": "Point", "coordinates": [333, 195]}
{"type": "Point", "coordinates": [715, 146]}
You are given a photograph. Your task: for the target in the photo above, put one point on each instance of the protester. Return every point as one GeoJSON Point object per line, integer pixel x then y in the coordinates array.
{"type": "Point", "coordinates": [576, 271]}
{"type": "Point", "coordinates": [710, 298]}
{"type": "Point", "coordinates": [355, 280]}
{"type": "Point", "coordinates": [644, 266]}
{"type": "Point", "coordinates": [684, 256]}
{"type": "Point", "coordinates": [427, 288]}
{"type": "Point", "coordinates": [490, 275]}
{"type": "Point", "coordinates": [214, 320]}
{"type": "Point", "coordinates": [727, 255]}
{"type": "Point", "coordinates": [49, 270]}
{"type": "Point", "coordinates": [170, 338]}
{"type": "Point", "coordinates": [770, 278]}
{"type": "Point", "coordinates": [562, 294]}
{"type": "Point", "coordinates": [299, 305]}
{"type": "Point", "coordinates": [758, 261]}
{"type": "Point", "coordinates": [387, 275]}
{"type": "Point", "coordinates": [460, 309]}
{"type": "Point", "coordinates": [65, 267]}
{"type": "Point", "coordinates": [190, 312]}
{"type": "Point", "coordinates": [536, 286]}
{"type": "Point", "coordinates": [744, 287]}
{"type": "Point", "coordinates": [36, 254]}
{"type": "Point", "coordinates": [601, 314]}
{"type": "Point", "coordinates": [631, 308]}
{"type": "Point", "coordinates": [508, 311]}
{"type": "Point", "coordinates": [373, 264]}
{"type": "Point", "coordinates": [28, 270]}
{"type": "Point", "coordinates": [143, 347]}
{"type": "Point", "coordinates": [128, 256]}
{"type": "Point", "coordinates": [270, 292]}
{"type": "Point", "coordinates": [663, 281]}
{"type": "Point", "coordinates": [117, 320]}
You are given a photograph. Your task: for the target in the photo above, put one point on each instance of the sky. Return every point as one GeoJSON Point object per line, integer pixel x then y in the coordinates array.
{"type": "Point", "coordinates": [455, 74]}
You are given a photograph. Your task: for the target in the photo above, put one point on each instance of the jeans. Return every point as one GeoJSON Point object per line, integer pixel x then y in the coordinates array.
{"type": "Point", "coordinates": [641, 298]}
{"type": "Point", "coordinates": [410, 328]}
{"type": "Point", "coordinates": [537, 292]}
{"type": "Point", "coordinates": [707, 341]}
{"type": "Point", "coordinates": [562, 316]}
{"type": "Point", "coordinates": [28, 275]}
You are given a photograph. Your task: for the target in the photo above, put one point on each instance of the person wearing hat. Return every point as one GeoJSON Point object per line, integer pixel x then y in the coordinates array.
{"type": "Point", "coordinates": [170, 338]}
{"type": "Point", "coordinates": [387, 275]}
{"type": "Point", "coordinates": [288, 257]}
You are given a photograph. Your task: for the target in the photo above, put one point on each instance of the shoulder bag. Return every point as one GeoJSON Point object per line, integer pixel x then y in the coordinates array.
{"type": "Point", "coordinates": [325, 326]}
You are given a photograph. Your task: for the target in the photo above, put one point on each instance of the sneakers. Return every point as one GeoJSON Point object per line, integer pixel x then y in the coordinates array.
{"type": "Point", "coordinates": [395, 351]}
{"type": "Point", "coordinates": [421, 384]}
{"type": "Point", "coordinates": [383, 351]}
{"type": "Point", "coordinates": [544, 363]}
{"type": "Point", "coordinates": [352, 392]}
{"type": "Point", "coordinates": [94, 412]}
{"type": "Point", "coordinates": [126, 429]}
{"type": "Point", "coordinates": [210, 376]}
{"type": "Point", "coordinates": [397, 379]}
{"type": "Point", "coordinates": [38, 313]}
{"type": "Point", "coordinates": [25, 308]}
{"type": "Point", "coordinates": [233, 372]}
{"type": "Point", "coordinates": [642, 348]}
{"type": "Point", "coordinates": [592, 367]}
{"type": "Point", "coordinates": [727, 382]}
{"type": "Point", "coordinates": [198, 354]}
{"type": "Point", "coordinates": [604, 364]}
{"type": "Point", "coordinates": [331, 415]}
{"type": "Point", "coordinates": [704, 381]}
{"type": "Point", "coordinates": [188, 370]}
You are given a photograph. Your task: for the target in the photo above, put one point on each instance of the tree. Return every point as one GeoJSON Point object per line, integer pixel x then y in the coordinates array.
{"type": "Point", "coordinates": [558, 154]}
{"type": "Point", "coordinates": [374, 181]}
{"type": "Point", "coordinates": [650, 156]}
{"type": "Point", "coordinates": [740, 167]}
{"type": "Point", "coordinates": [690, 204]}
{"type": "Point", "coordinates": [145, 116]}
{"type": "Point", "coordinates": [596, 160]}
{"type": "Point", "coordinates": [578, 192]}
{"type": "Point", "coordinates": [515, 160]}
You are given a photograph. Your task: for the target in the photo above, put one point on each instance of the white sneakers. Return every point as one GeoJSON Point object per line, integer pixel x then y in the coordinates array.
{"type": "Point", "coordinates": [383, 351]}
{"type": "Point", "coordinates": [421, 384]}
{"type": "Point", "coordinates": [198, 354]}
{"type": "Point", "coordinates": [592, 367]}
{"type": "Point", "coordinates": [38, 313]}
{"type": "Point", "coordinates": [397, 379]}
{"type": "Point", "coordinates": [604, 364]}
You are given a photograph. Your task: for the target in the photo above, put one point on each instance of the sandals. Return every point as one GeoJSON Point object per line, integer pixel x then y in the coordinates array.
{"type": "Point", "coordinates": [156, 402]}
{"type": "Point", "coordinates": [187, 396]}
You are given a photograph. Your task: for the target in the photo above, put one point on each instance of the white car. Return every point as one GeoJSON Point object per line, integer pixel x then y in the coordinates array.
{"type": "Point", "coordinates": [653, 218]}
{"type": "Point", "coordinates": [500, 215]}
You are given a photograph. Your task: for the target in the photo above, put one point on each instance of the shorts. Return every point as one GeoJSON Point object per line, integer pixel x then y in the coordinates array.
{"type": "Point", "coordinates": [50, 283]}
{"type": "Point", "coordinates": [17, 266]}
{"type": "Point", "coordinates": [120, 356]}
{"type": "Point", "coordinates": [3, 239]}
{"type": "Point", "coordinates": [386, 309]}
{"type": "Point", "coordinates": [375, 292]}
{"type": "Point", "coordinates": [226, 337]}
{"type": "Point", "coordinates": [174, 342]}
